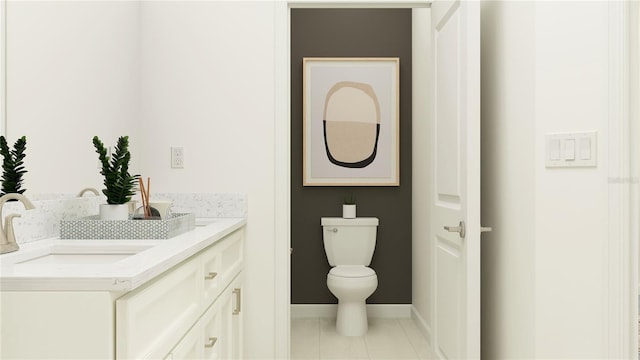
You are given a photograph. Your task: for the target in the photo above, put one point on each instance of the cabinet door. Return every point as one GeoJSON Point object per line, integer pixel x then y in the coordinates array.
{"type": "Point", "coordinates": [237, 318]}
{"type": "Point", "coordinates": [231, 320]}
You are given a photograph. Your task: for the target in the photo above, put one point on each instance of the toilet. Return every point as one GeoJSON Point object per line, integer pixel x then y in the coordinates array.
{"type": "Point", "coordinates": [349, 245]}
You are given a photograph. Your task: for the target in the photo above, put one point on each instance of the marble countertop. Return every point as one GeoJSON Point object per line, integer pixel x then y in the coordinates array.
{"type": "Point", "coordinates": [150, 258]}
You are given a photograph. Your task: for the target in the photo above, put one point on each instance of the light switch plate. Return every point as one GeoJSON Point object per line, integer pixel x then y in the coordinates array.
{"type": "Point", "coordinates": [576, 149]}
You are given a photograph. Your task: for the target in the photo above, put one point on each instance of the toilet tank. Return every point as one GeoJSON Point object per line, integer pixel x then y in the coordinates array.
{"type": "Point", "coordinates": [349, 241]}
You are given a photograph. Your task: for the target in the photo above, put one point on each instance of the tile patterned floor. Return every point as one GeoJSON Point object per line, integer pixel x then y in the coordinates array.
{"type": "Point", "coordinates": [316, 338]}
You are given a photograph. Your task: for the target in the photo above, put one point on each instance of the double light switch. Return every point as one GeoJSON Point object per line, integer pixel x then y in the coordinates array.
{"type": "Point", "coordinates": [571, 149]}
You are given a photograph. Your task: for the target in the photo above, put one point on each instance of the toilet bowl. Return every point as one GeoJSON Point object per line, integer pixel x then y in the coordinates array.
{"type": "Point", "coordinates": [349, 245]}
{"type": "Point", "coordinates": [352, 285]}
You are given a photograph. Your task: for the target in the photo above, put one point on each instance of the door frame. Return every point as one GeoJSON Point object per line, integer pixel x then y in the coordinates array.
{"type": "Point", "coordinates": [282, 211]}
{"type": "Point", "coordinates": [629, 258]}
{"type": "Point", "coordinates": [624, 202]}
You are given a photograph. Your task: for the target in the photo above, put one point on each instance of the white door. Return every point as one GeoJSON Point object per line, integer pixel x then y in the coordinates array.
{"type": "Point", "coordinates": [456, 193]}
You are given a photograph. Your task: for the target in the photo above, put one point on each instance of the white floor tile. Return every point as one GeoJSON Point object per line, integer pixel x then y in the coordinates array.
{"type": "Point", "coordinates": [305, 339]}
{"type": "Point", "coordinates": [386, 339]}
{"type": "Point", "coordinates": [336, 346]}
{"type": "Point", "coordinates": [417, 340]}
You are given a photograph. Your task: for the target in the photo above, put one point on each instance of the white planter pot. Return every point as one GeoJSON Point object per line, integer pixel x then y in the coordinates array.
{"type": "Point", "coordinates": [114, 212]}
{"type": "Point", "coordinates": [348, 211]}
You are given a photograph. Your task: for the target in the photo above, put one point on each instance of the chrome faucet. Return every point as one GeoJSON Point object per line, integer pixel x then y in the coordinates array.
{"type": "Point", "coordinates": [88, 190]}
{"type": "Point", "coordinates": [7, 237]}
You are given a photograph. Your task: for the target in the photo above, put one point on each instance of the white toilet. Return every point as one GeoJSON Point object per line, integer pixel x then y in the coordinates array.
{"type": "Point", "coordinates": [349, 244]}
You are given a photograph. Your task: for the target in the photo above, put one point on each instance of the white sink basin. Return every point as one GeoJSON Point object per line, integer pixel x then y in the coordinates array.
{"type": "Point", "coordinates": [55, 264]}
{"type": "Point", "coordinates": [77, 252]}
{"type": "Point", "coordinates": [44, 254]}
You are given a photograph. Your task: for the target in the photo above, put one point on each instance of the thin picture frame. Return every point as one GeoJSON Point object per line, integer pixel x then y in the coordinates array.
{"type": "Point", "coordinates": [351, 121]}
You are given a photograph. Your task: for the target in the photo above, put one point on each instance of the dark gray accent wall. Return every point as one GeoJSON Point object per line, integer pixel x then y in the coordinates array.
{"type": "Point", "coordinates": [351, 33]}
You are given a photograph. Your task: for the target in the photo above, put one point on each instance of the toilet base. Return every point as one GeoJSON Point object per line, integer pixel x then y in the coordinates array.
{"type": "Point", "coordinates": [352, 318]}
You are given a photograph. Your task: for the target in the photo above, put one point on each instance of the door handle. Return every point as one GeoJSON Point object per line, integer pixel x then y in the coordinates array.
{"type": "Point", "coordinates": [459, 229]}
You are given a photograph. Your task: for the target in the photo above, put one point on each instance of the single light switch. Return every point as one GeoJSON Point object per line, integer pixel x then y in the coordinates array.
{"type": "Point", "coordinates": [585, 149]}
{"type": "Point", "coordinates": [554, 150]}
{"type": "Point", "coordinates": [570, 149]}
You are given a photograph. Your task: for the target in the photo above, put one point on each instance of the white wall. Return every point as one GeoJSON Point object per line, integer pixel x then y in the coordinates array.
{"type": "Point", "coordinates": [634, 76]}
{"type": "Point", "coordinates": [3, 68]}
{"type": "Point", "coordinates": [508, 171]}
{"type": "Point", "coordinates": [192, 74]}
{"type": "Point", "coordinates": [545, 70]}
{"type": "Point", "coordinates": [422, 180]}
{"type": "Point", "coordinates": [72, 73]}
{"type": "Point", "coordinates": [634, 115]}
{"type": "Point", "coordinates": [207, 83]}
{"type": "Point", "coordinates": [572, 204]}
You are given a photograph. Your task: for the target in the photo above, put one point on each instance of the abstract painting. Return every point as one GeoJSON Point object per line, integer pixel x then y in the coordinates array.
{"type": "Point", "coordinates": [351, 121]}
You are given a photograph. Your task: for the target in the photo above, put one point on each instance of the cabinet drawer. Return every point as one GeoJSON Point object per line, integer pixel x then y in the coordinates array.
{"type": "Point", "coordinates": [189, 348]}
{"type": "Point", "coordinates": [202, 341]}
{"type": "Point", "coordinates": [212, 274]}
{"type": "Point", "coordinates": [150, 321]}
{"type": "Point", "coordinates": [211, 333]}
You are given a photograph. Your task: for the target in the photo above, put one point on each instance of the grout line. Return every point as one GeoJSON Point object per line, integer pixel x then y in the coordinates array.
{"type": "Point", "coordinates": [406, 334]}
{"type": "Point", "coordinates": [366, 343]}
{"type": "Point", "coordinates": [320, 337]}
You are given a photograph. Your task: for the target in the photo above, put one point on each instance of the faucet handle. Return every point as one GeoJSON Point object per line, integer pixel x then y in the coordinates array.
{"type": "Point", "coordinates": [8, 220]}
{"type": "Point", "coordinates": [8, 227]}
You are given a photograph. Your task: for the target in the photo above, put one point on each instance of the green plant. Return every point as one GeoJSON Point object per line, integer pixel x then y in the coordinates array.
{"type": "Point", "coordinates": [349, 199]}
{"type": "Point", "coordinates": [13, 165]}
{"type": "Point", "coordinates": [119, 184]}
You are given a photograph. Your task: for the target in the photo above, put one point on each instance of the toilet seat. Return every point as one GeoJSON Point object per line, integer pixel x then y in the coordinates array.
{"type": "Point", "coordinates": [352, 271]}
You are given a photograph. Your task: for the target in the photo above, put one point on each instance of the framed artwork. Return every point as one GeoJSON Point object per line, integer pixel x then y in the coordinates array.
{"type": "Point", "coordinates": [351, 122]}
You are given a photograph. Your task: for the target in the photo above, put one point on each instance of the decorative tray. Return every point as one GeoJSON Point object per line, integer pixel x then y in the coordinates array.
{"type": "Point", "coordinates": [91, 227]}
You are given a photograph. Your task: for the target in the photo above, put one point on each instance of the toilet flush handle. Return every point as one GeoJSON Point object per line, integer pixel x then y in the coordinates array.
{"type": "Point", "coordinates": [335, 230]}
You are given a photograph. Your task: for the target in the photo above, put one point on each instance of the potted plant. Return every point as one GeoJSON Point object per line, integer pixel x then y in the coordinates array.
{"type": "Point", "coordinates": [349, 207]}
{"type": "Point", "coordinates": [119, 184]}
{"type": "Point", "coordinates": [13, 165]}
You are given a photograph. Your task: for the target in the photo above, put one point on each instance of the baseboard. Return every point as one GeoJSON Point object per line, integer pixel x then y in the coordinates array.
{"type": "Point", "coordinates": [421, 324]}
{"type": "Point", "coordinates": [330, 310]}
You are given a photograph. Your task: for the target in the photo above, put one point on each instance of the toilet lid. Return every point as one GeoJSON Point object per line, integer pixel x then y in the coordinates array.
{"type": "Point", "coordinates": [352, 271]}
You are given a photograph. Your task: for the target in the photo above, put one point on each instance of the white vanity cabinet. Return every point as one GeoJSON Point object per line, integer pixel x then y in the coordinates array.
{"type": "Point", "coordinates": [189, 311]}
{"type": "Point", "coordinates": [181, 314]}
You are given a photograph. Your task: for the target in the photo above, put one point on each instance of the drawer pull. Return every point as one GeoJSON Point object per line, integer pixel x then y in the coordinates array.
{"type": "Point", "coordinates": [212, 341]}
{"type": "Point", "coordinates": [211, 276]}
{"type": "Point", "coordinates": [236, 310]}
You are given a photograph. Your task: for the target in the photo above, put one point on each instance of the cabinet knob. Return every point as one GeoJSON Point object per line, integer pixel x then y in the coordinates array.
{"type": "Point", "coordinates": [212, 341]}
{"type": "Point", "coordinates": [211, 275]}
